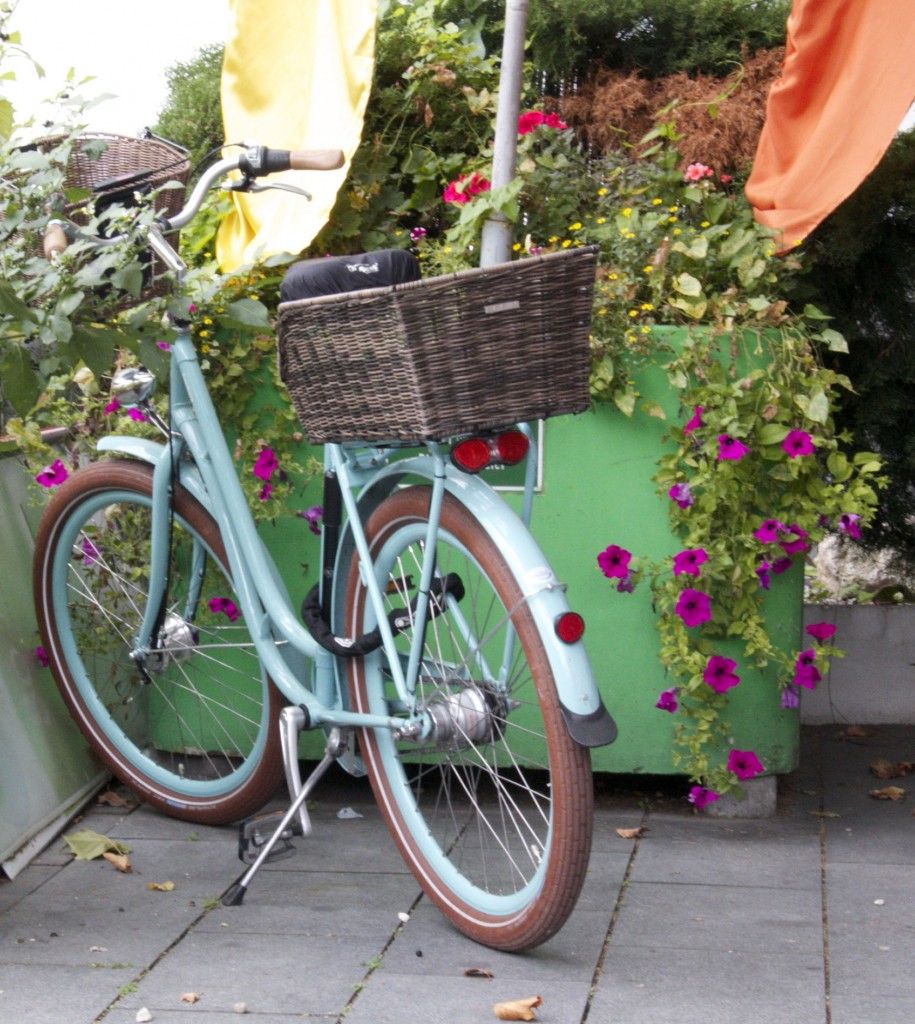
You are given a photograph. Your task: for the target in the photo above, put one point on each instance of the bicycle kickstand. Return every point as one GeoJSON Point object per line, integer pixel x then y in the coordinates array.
{"type": "Point", "coordinates": [335, 746]}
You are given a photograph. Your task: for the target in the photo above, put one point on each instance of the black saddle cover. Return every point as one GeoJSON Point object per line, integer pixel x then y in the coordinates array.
{"type": "Point", "coordinates": [331, 275]}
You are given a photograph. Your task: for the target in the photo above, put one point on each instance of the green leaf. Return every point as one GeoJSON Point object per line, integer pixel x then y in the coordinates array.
{"type": "Point", "coordinates": [249, 313]}
{"type": "Point", "coordinates": [686, 284]}
{"type": "Point", "coordinates": [624, 401]}
{"type": "Point", "coordinates": [11, 304]}
{"type": "Point", "coordinates": [813, 313]}
{"type": "Point", "coordinates": [772, 433]}
{"type": "Point", "coordinates": [834, 341]}
{"type": "Point", "coordinates": [6, 118]}
{"type": "Point", "coordinates": [87, 845]}
{"type": "Point", "coordinates": [18, 381]}
{"type": "Point", "coordinates": [694, 308]}
{"type": "Point", "coordinates": [653, 409]}
{"type": "Point", "coordinates": [818, 407]}
{"type": "Point", "coordinates": [95, 347]}
{"type": "Point", "coordinates": [129, 279]}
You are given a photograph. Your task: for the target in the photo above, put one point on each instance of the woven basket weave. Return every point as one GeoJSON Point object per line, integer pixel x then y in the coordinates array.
{"type": "Point", "coordinates": [444, 356]}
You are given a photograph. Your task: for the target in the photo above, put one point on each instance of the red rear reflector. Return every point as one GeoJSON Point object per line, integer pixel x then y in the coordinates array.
{"type": "Point", "coordinates": [471, 454]}
{"type": "Point", "coordinates": [512, 446]}
{"type": "Point", "coordinates": [570, 627]}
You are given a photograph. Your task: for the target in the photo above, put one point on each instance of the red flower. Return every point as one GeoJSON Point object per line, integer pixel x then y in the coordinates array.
{"type": "Point", "coordinates": [696, 172]}
{"type": "Point", "coordinates": [532, 119]}
{"type": "Point", "coordinates": [464, 188]}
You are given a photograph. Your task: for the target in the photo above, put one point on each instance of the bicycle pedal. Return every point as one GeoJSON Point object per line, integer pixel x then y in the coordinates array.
{"type": "Point", "coordinates": [254, 833]}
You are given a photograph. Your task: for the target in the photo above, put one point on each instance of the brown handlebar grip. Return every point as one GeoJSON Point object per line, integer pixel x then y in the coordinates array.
{"type": "Point", "coordinates": [316, 159]}
{"type": "Point", "coordinates": [55, 240]}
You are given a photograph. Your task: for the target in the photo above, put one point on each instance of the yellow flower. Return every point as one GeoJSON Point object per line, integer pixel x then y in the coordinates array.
{"type": "Point", "coordinates": [705, 224]}
{"type": "Point", "coordinates": [656, 201]}
{"type": "Point", "coordinates": [633, 312]}
{"type": "Point", "coordinates": [677, 231]}
{"type": "Point", "coordinates": [630, 234]}
{"type": "Point", "coordinates": [613, 277]}
{"type": "Point", "coordinates": [602, 191]}
{"type": "Point", "coordinates": [601, 220]}
{"type": "Point", "coordinates": [671, 220]}
{"type": "Point", "coordinates": [204, 349]}
{"type": "Point", "coordinates": [672, 209]}
{"type": "Point", "coordinates": [626, 211]}
{"type": "Point", "coordinates": [602, 311]}
{"type": "Point", "coordinates": [566, 242]}
{"type": "Point", "coordinates": [647, 269]}
{"type": "Point", "coordinates": [553, 239]}
{"type": "Point", "coordinates": [207, 320]}
{"type": "Point", "coordinates": [254, 295]}
{"type": "Point", "coordinates": [204, 334]}
{"type": "Point", "coordinates": [576, 226]}
{"type": "Point", "coordinates": [646, 329]}
{"type": "Point", "coordinates": [647, 306]}
{"type": "Point", "coordinates": [516, 247]}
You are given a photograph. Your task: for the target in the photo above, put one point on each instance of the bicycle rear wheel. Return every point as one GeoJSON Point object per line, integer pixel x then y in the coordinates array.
{"type": "Point", "coordinates": [493, 812]}
{"type": "Point", "coordinates": [193, 731]}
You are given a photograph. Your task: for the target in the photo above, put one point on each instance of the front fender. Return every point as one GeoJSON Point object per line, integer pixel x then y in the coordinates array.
{"type": "Point", "coordinates": [583, 710]}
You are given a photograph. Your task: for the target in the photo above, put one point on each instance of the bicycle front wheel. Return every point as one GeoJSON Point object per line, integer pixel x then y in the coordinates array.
{"type": "Point", "coordinates": [493, 809]}
{"type": "Point", "coordinates": [190, 726]}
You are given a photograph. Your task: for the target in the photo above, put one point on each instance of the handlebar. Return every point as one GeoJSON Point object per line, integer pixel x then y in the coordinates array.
{"type": "Point", "coordinates": [253, 162]}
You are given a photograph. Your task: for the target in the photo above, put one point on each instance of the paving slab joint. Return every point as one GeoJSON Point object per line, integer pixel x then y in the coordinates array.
{"type": "Point", "coordinates": [759, 800]}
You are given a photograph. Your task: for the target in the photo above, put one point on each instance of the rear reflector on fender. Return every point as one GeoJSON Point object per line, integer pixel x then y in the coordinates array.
{"type": "Point", "coordinates": [569, 627]}
{"type": "Point", "coordinates": [473, 454]}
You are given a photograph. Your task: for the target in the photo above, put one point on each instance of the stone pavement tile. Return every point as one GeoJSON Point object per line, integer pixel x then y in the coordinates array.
{"type": "Point", "coordinates": [767, 853]}
{"type": "Point", "coordinates": [690, 985]}
{"type": "Point", "coordinates": [886, 836]}
{"type": "Point", "coordinates": [718, 917]}
{"type": "Point", "coordinates": [38, 994]}
{"type": "Point", "coordinates": [146, 822]}
{"type": "Point", "coordinates": [26, 882]}
{"type": "Point", "coordinates": [390, 998]}
{"type": "Point", "coordinates": [871, 945]}
{"type": "Point", "coordinates": [196, 1014]}
{"type": "Point", "coordinates": [606, 872]}
{"type": "Point", "coordinates": [275, 973]}
{"type": "Point", "coordinates": [872, 1008]}
{"type": "Point", "coordinates": [842, 756]}
{"type": "Point", "coordinates": [568, 956]}
{"type": "Point", "coordinates": [317, 903]}
{"type": "Point", "coordinates": [89, 903]}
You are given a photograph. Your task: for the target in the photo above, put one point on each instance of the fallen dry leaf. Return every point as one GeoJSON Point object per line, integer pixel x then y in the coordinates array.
{"type": "Point", "coordinates": [826, 814]}
{"type": "Point", "coordinates": [631, 833]}
{"type": "Point", "coordinates": [888, 793]}
{"type": "Point", "coordinates": [120, 860]}
{"type": "Point", "coordinates": [517, 1009]}
{"type": "Point", "coordinates": [478, 972]}
{"type": "Point", "coordinates": [190, 997]}
{"type": "Point", "coordinates": [854, 732]}
{"type": "Point", "coordinates": [87, 845]}
{"type": "Point", "coordinates": [160, 886]}
{"type": "Point", "coordinates": [113, 799]}
{"type": "Point", "coordinates": [883, 769]}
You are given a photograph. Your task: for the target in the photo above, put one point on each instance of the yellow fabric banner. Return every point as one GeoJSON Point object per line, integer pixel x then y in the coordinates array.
{"type": "Point", "coordinates": [296, 75]}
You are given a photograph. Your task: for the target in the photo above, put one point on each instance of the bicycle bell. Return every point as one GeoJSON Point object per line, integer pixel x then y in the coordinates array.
{"type": "Point", "coordinates": [133, 385]}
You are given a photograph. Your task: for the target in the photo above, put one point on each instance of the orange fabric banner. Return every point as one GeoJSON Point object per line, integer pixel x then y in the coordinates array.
{"type": "Point", "coordinates": [847, 81]}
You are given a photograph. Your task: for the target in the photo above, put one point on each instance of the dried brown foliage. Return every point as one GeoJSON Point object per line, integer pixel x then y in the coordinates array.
{"type": "Point", "coordinates": [719, 120]}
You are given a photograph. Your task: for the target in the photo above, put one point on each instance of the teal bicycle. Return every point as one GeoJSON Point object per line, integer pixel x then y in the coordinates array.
{"type": "Point", "coordinates": [438, 653]}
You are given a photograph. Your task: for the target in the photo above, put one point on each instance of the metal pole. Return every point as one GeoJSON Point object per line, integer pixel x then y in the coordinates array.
{"type": "Point", "coordinates": [495, 245]}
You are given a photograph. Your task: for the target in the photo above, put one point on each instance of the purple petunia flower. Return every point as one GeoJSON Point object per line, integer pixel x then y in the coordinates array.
{"type": "Point", "coordinates": [164, 345]}
{"type": "Point", "coordinates": [312, 516]}
{"type": "Point", "coordinates": [625, 585]}
{"type": "Point", "coordinates": [667, 700]}
{"type": "Point", "coordinates": [806, 673]}
{"type": "Point", "coordinates": [693, 607]}
{"type": "Point", "coordinates": [41, 656]}
{"type": "Point", "coordinates": [790, 698]}
{"type": "Point", "coordinates": [730, 449]}
{"type": "Point", "coordinates": [719, 673]}
{"type": "Point", "coordinates": [111, 407]}
{"type": "Point", "coordinates": [681, 495]}
{"type": "Point", "coordinates": [820, 631]}
{"type": "Point", "coordinates": [848, 523]}
{"type": "Point", "coordinates": [53, 475]}
{"type": "Point", "coordinates": [264, 493]}
{"type": "Point", "coordinates": [701, 797]}
{"type": "Point", "coordinates": [797, 544]}
{"type": "Point", "coordinates": [687, 562]}
{"type": "Point", "coordinates": [417, 233]}
{"type": "Point", "coordinates": [224, 605]}
{"type": "Point", "coordinates": [137, 415]}
{"type": "Point", "coordinates": [768, 531]}
{"type": "Point", "coordinates": [744, 764]}
{"type": "Point", "coordinates": [781, 565]}
{"type": "Point", "coordinates": [614, 562]}
{"type": "Point", "coordinates": [797, 443]}
{"type": "Point", "coordinates": [89, 550]}
{"type": "Point", "coordinates": [192, 308]}
{"type": "Point", "coordinates": [265, 464]}
{"type": "Point", "coordinates": [762, 571]}
{"type": "Point", "coordinates": [695, 421]}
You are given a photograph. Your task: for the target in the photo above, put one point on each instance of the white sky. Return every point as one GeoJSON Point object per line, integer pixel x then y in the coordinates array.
{"type": "Point", "coordinates": [124, 44]}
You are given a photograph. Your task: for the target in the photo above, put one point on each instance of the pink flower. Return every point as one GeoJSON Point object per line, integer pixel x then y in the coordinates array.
{"type": "Point", "coordinates": [695, 421]}
{"type": "Point", "coordinates": [417, 233]}
{"type": "Point", "coordinates": [744, 764]}
{"type": "Point", "coordinates": [848, 523]}
{"type": "Point", "coordinates": [781, 565]}
{"type": "Point", "coordinates": [264, 493]}
{"type": "Point", "coordinates": [725, 179]}
{"type": "Point", "coordinates": [696, 172]}
{"type": "Point", "coordinates": [89, 550]}
{"type": "Point", "coordinates": [531, 119]}
{"type": "Point", "coordinates": [224, 605]}
{"type": "Point", "coordinates": [680, 493]}
{"type": "Point", "coordinates": [820, 631]}
{"type": "Point", "coordinates": [53, 475]}
{"type": "Point", "coordinates": [701, 797]}
{"type": "Point", "coordinates": [687, 562]}
{"type": "Point", "coordinates": [312, 516]}
{"type": "Point", "coordinates": [137, 415]}
{"type": "Point", "coordinates": [790, 698]}
{"type": "Point", "coordinates": [265, 464]}
{"type": "Point", "coordinates": [614, 562]}
{"type": "Point", "coordinates": [41, 656]}
{"type": "Point", "coordinates": [464, 188]}
{"type": "Point", "coordinates": [730, 449]}
{"type": "Point", "coordinates": [768, 531]}
{"type": "Point", "coordinates": [625, 585]}
{"type": "Point", "coordinates": [164, 345]}
{"type": "Point", "coordinates": [719, 673]}
{"type": "Point", "coordinates": [111, 407]}
{"type": "Point", "coordinates": [762, 571]}
{"type": "Point", "coordinates": [806, 673]}
{"type": "Point", "coordinates": [192, 308]}
{"type": "Point", "coordinates": [795, 545]}
{"type": "Point", "coordinates": [797, 443]}
{"type": "Point", "coordinates": [693, 607]}
{"type": "Point", "coordinates": [667, 700]}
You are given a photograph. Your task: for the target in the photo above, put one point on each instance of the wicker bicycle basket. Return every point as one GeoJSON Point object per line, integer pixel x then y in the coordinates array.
{"type": "Point", "coordinates": [475, 350]}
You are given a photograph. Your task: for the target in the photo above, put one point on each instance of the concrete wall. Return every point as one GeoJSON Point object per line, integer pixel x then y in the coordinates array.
{"type": "Point", "coordinates": [874, 684]}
